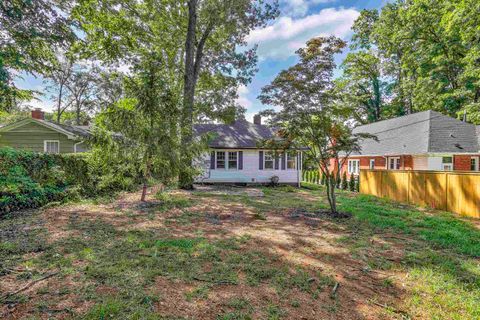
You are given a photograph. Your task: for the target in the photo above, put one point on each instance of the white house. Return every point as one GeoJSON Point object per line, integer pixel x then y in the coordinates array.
{"type": "Point", "coordinates": [237, 156]}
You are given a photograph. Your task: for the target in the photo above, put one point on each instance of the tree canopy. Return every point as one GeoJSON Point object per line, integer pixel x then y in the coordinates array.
{"type": "Point", "coordinates": [427, 55]}
{"type": "Point", "coordinates": [31, 31]}
{"type": "Point", "coordinates": [310, 115]}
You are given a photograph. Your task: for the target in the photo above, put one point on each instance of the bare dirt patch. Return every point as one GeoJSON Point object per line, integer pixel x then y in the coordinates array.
{"type": "Point", "coordinates": [294, 239]}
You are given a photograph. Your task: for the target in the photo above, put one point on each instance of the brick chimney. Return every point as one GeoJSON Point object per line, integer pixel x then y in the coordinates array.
{"type": "Point", "coordinates": [37, 113]}
{"type": "Point", "coordinates": [257, 119]}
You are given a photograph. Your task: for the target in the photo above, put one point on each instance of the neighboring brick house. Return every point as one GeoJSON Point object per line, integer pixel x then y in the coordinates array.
{"type": "Point", "coordinates": [425, 140]}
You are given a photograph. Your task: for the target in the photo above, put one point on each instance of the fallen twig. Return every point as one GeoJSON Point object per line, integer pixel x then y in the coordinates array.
{"type": "Point", "coordinates": [333, 295]}
{"type": "Point", "coordinates": [29, 285]}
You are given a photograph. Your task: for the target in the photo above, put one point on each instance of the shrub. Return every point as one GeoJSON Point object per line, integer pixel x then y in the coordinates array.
{"type": "Point", "coordinates": [324, 179]}
{"type": "Point", "coordinates": [351, 183]}
{"type": "Point", "coordinates": [344, 181]}
{"type": "Point", "coordinates": [30, 180]}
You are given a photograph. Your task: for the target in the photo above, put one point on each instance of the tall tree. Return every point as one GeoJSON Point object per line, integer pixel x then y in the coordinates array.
{"type": "Point", "coordinates": [361, 85]}
{"type": "Point", "coordinates": [462, 23]}
{"type": "Point", "coordinates": [216, 29]}
{"type": "Point", "coordinates": [57, 83]}
{"type": "Point", "coordinates": [145, 124]}
{"type": "Point", "coordinates": [309, 115]}
{"type": "Point", "coordinates": [31, 31]}
{"type": "Point", "coordinates": [82, 89]}
{"type": "Point", "coordinates": [429, 51]}
{"type": "Point", "coordinates": [142, 42]}
{"type": "Point", "coordinates": [201, 42]}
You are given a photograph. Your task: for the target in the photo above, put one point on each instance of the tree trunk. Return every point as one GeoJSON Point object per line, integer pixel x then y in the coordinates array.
{"type": "Point", "coordinates": [333, 199]}
{"type": "Point", "coordinates": [144, 191]}
{"type": "Point", "coordinates": [330, 182]}
{"type": "Point", "coordinates": [378, 98]}
{"type": "Point", "coordinates": [185, 179]}
{"type": "Point", "coordinates": [59, 103]}
{"type": "Point", "coordinates": [78, 114]}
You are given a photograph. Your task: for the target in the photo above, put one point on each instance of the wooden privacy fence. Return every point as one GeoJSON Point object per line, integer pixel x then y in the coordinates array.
{"type": "Point", "coordinates": [457, 192]}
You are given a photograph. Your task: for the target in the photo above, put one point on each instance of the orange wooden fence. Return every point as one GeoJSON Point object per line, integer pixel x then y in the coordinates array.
{"type": "Point", "coordinates": [457, 192]}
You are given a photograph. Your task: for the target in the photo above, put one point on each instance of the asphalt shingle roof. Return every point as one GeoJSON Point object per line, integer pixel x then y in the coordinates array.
{"type": "Point", "coordinates": [420, 133]}
{"type": "Point", "coordinates": [240, 134]}
{"type": "Point", "coordinates": [82, 131]}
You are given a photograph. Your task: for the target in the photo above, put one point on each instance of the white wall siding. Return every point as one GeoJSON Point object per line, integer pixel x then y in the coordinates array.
{"type": "Point", "coordinates": [250, 172]}
{"type": "Point", "coordinates": [427, 163]}
{"type": "Point", "coordinates": [435, 163]}
{"type": "Point", "coordinates": [420, 163]}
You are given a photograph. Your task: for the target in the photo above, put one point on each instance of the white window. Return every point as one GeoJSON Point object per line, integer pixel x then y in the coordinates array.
{"type": "Point", "coordinates": [220, 160]}
{"type": "Point", "coordinates": [51, 146]}
{"type": "Point", "coordinates": [447, 163]}
{"type": "Point", "coordinates": [353, 166]}
{"type": "Point", "coordinates": [372, 164]}
{"type": "Point", "coordinates": [233, 160]}
{"type": "Point", "coordinates": [394, 163]}
{"type": "Point", "coordinates": [474, 163]}
{"type": "Point", "coordinates": [268, 161]}
{"type": "Point", "coordinates": [226, 160]}
{"type": "Point", "coordinates": [291, 159]}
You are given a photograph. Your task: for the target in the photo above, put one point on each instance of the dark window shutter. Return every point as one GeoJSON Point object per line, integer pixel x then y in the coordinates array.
{"type": "Point", "coordinates": [212, 160]}
{"type": "Point", "coordinates": [260, 160]}
{"type": "Point", "coordinates": [284, 160]}
{"type": "Point", "coordinates": [240, 160]}
{"type": "Point", "coordinates": [277, 161]}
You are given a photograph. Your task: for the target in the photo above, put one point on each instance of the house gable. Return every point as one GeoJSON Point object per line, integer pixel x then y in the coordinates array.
{"type": "Point", "coordinates": [31, 135]}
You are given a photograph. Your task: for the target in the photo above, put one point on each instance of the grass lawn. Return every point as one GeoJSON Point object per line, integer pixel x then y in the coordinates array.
{"type": "Point", "coordinates": [208, 255]}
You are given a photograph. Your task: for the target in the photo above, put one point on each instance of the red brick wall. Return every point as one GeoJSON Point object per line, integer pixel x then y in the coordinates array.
{"type": "Point", "coordinates": [380, 163]}
{"type": "Point", "coordinates": [407, 162]}
{"type": "Point", "coordinates": [461, 162]}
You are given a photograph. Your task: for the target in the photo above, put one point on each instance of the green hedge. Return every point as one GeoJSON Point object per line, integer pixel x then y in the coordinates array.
{"type": "Point", "coordinates": [30, 180]}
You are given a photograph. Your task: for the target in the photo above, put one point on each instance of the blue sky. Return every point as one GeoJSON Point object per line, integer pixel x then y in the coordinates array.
{"type": "Point", "coordinates": [299, 21]}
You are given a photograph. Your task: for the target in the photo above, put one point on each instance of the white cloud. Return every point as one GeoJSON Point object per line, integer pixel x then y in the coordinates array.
{"type": "Point", "coordinates": [281, 39]}
{"type": "Point", "coordinates": [38, 103]}
{"type": "Point", "coordinates": [299, 8]}
{"type": "Point", "coordinates": [242, 97]}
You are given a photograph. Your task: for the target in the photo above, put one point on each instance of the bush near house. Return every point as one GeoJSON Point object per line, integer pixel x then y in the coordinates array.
{"type": "Point", "coordinates": [351, 183]}
{"type": "Point", "coordinates": [30, 179]}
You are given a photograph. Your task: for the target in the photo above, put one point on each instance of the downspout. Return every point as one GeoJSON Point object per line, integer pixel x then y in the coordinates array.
{"type": "Point", "coordinates": [75, 146]}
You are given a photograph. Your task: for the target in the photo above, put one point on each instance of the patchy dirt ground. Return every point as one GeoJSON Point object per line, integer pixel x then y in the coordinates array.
{"type": "Point", "coordinates": [203, 255]}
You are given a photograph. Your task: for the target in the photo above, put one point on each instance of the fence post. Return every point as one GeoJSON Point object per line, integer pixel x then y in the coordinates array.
{"type": "Point", "coordinates": [447, 187]}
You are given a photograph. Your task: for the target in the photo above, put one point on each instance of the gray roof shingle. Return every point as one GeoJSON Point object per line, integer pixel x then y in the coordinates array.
{"type": "Point", "coordinates": [419, 133]}
{"type": "Point", "coordinates": [81, 131]}
{"type": "Point", "coordinates": [240, 134]}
